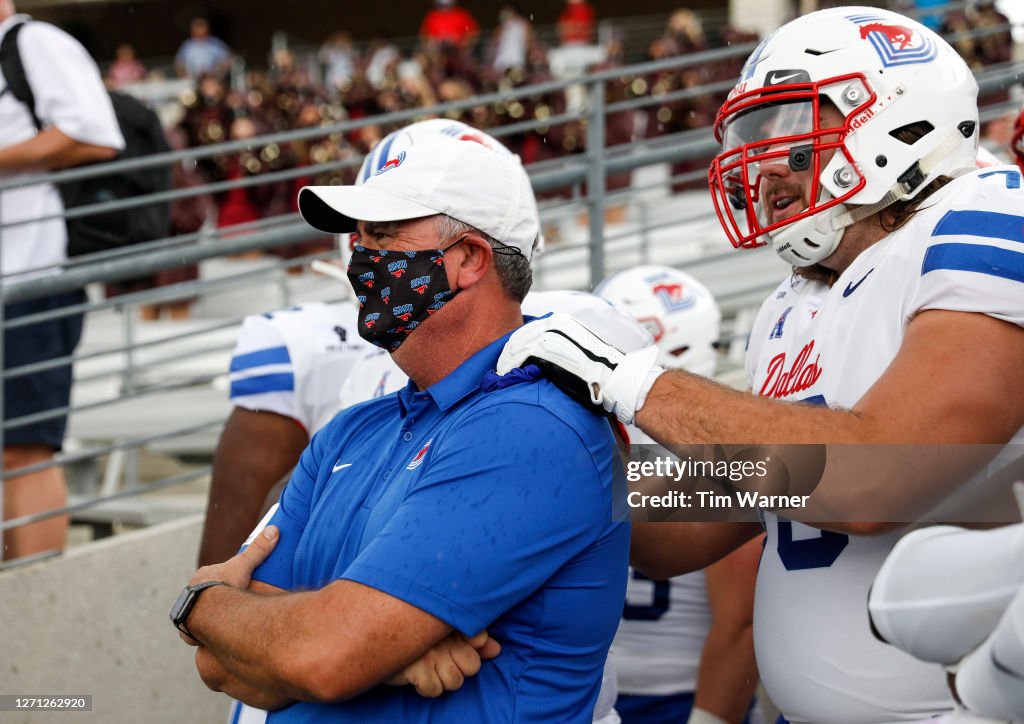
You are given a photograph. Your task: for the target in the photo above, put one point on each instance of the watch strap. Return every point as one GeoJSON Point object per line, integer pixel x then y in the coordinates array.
{"type": "Point", "coordinates": [182, 622]}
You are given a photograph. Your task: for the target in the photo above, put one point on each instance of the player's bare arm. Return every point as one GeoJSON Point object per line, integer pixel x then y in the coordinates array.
{"type": "Point", "coordinates": [661, 550]}
{"type": "Point", "coordinates": [727, 678]}
{"type": "Point", "coordinates": [255, 451]}
{"type": "Point", "coordinates": [930, 394]}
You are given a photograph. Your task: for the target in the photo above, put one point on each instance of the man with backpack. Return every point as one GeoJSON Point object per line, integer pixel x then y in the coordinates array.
{"type": "Point", "coordinates": [68, 121]}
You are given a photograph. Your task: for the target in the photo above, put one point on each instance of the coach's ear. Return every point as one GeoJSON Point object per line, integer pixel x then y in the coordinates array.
{"type": "Point", "coordinates": [468, 261]}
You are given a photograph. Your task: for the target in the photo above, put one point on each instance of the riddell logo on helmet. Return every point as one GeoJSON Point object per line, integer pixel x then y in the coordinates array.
{"type": "Point", "coordinates": [862, 119]}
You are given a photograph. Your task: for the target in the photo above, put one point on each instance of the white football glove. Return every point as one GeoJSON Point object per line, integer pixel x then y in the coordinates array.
{"type": "Point", "coordinates": [600, 357]}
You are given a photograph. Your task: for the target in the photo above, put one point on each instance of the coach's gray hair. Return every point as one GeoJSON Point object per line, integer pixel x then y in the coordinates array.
{"type": "Point", "coordinates": [513, 267]}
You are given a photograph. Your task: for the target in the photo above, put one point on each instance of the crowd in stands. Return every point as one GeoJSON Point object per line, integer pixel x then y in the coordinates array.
{"type": "Point", "coordinates": [457, 58]}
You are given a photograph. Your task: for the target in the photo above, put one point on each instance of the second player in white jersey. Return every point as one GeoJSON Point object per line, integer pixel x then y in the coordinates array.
{"type": "Point", "coordinates": [290, 361]}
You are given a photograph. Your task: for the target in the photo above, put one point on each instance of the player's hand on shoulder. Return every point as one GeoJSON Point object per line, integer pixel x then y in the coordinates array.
{"type": "Point", "coordinates": [599, 357]}
{"type": "Point", "coordinates": [447, 665]}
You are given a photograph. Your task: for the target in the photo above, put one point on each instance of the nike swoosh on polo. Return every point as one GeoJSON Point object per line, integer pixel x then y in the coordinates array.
{"type": "Point", "coordinates": [851, 288]}
{"type": "Point", "coordinates": [336, 468]}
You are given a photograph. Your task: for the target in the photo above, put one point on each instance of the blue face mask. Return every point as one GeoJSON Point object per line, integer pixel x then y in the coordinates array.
{"type": "Point", "coordinates": [396, 291]}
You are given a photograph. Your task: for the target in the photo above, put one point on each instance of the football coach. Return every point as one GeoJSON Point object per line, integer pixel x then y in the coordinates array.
{"type": "Point", "coordinates": [456, 505]}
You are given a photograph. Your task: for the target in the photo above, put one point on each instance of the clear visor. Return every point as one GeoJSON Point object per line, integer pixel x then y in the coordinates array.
{"type": "Point", "coordinates": [768, 123]}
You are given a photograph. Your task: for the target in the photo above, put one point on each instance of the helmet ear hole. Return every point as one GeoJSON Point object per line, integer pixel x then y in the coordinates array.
{"type": "Point", "coordinates": [911, 133]}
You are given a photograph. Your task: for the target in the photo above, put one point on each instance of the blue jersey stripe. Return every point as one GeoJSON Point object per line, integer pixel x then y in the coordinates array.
{"type": "Point", "coordinates": [975, 258]}
{"type": "Point", "coordinates": [284, 382]}
{"type": "Point", "coordinates": [268, 356]}
{"type": "Point", "coordinates": [986, 224]}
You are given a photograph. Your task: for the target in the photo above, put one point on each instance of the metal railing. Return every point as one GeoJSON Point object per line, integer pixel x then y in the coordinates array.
{"type": "Point", "coordinates": [652, 233]}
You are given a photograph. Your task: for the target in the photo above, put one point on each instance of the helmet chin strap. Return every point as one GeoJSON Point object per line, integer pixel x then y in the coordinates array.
{"type": "Point", "coordinates": [911, 179]}
{"type": "Point", "coordinates": [806, 243]}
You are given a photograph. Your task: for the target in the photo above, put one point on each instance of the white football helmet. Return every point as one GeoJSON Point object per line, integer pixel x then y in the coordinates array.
{"type": "Point", "coordinates": [678, 311]}
{"type": "Point", "coordinates": [909, 109]}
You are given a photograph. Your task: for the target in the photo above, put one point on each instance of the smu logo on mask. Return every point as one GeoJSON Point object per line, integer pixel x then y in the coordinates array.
{"type": "Point", "coordinates": [895, 44]}
{"type": "Point", "coordinates": [411, 326]}
{"type": "Point", "coordinates": [385, 294]}
{"type": "Point", "coordinates": [420, 284]}
{"type": "Point", "coordinates": [367, 279]}
{"type": "Point", "coordinates": [801, 375]}
{"type": "Point", "coordinates": [361, 299]}
{"type": "Point", "coordinates": [403, 312]}
{"type": "Point", "coordinates": [397, 268]}
{"type": "Point", "coordinates": [673, 297]}
{"type": "Point", "coordinates": [393, 163]}
{"type": "Point", "coordinates": [371, 319]}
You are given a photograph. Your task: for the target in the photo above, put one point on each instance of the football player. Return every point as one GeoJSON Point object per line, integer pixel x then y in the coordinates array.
{"type": "Point", "coordinates": [684, 650]}
{"type": "Point", "coordinates": [849, 144]}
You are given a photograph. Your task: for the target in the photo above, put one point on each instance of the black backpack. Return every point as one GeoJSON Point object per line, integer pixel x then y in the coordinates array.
{"type": "Point", "coordinates": [143, 136]}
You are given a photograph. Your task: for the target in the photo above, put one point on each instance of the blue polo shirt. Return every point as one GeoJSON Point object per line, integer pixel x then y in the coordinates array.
{"type": "Point", "coordinates": [486, 509]}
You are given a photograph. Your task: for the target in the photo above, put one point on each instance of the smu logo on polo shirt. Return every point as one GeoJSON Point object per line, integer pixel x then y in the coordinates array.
{"type": "Point", "coordinates": [418, 460]}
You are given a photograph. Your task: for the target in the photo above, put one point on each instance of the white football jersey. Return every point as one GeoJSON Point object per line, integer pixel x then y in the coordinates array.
{"type": "Point", "coordinates": [961, 252]}
{"type": "Point", "coordinates": [664, 625]}
{"type": "Point", "coordinates": [293, 361]}
{"type": "Point", "coordinates": [373, 375]}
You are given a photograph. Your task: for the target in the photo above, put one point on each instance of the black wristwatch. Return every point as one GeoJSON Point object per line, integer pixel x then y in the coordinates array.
{"type": "Point", "coordinates": [186, 600]}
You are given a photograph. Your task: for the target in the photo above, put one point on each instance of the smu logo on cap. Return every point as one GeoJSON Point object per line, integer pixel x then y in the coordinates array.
{"type": "Point", "coordinates": [419, 284]}
{"type": "Point", "coordinates": [397, 268]}
{"type": "Point", "coordinates": [403, 312]}
{"type": "Point", "coordinates": [392, 163]}
{"type": "Point", "coordinates": [895, 44]}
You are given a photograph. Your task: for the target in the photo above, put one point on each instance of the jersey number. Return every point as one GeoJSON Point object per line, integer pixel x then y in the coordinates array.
{"type": "Point", "coordinates": [658, 606]}
{"type": "Point", "coordinates": [818, 552]}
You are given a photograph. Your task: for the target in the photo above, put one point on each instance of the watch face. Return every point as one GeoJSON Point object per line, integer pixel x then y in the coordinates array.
{"type": "Point", "coordinates": [181, 604]}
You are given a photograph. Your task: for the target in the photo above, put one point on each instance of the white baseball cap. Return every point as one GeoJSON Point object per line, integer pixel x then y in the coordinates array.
{"type": "Point", "coordinates": [466, 181]}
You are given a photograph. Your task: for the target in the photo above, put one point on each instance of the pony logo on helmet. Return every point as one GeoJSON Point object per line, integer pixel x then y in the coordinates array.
{"type": "Point", "coordinates": [895, 44]}
{"type": "Point", "coordinates": [837, 115]}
